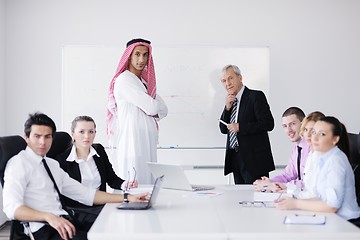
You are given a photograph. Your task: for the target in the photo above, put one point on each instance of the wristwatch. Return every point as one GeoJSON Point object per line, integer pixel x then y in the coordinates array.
{"type": "Point", "coordinates": [126, 200]}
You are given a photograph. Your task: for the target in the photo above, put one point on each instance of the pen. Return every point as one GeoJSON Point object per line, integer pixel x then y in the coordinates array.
{"type": "Point", "coordinates": [223, 122]}
{"type": "Point", "coordinates": [277, 185]}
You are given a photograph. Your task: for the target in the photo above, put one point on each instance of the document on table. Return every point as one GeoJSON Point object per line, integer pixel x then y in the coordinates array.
{"type": "Point", "coordinates": [305, 219]}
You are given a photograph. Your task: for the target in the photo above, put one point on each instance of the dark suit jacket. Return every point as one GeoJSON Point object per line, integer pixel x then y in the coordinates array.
{"type": "Point", "coordinates": [104, 167]}
{"type": "Point", "coordinates": [255, 121]}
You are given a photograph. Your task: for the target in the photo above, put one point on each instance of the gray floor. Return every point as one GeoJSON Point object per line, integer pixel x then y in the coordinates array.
{"type": "Point", "coordinates": [5, 231]}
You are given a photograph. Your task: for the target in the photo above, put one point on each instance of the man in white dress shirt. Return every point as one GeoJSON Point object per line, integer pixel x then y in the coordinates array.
{"type": "Point", "coordinates": [29, 193]}
{"type": "Point", "coordinates": [133, 111]}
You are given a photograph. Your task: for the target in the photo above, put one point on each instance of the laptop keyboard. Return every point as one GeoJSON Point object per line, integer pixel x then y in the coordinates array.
{"type": "Point", "coordinates": [201, 187]}
{"type": "Point", "coordinates": [137, 204]}
{"type": "Point", "coordinates": [133, 205]}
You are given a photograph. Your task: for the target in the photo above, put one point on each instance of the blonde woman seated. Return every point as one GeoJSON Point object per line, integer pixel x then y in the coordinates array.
{"type": "Point", "coordinates": [334, 183]}
{"type": "Point", "coordinates": [309, 189]}
{"type": "Point", "coordinates": [88, 163]}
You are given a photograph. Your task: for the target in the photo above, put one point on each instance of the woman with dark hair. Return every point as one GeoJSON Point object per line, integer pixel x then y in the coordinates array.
{"type": "Point", "coordinates": [335, 184]}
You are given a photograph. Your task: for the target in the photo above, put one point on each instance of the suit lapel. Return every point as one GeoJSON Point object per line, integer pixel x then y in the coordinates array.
{"type": "Point", "coordinates": [100, 167]}
{"type": "Point", "coordinates": [243, 102]}
{"type": "Point", "coordinates": [75, 171]}
{"type": "Point", "coordinates": [98, 164]}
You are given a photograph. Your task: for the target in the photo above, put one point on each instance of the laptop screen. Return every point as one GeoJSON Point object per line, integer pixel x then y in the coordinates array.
{"type": "Point", "coordinates": [156, 189]}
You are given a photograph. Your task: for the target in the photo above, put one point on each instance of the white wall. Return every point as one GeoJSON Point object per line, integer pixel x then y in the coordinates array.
{"type": "Point", "coordinates": [2, 67]}
{"type": "Point", "coordinates": [314, 48]}
{"type": "Point", "coordinates": [2, 88]}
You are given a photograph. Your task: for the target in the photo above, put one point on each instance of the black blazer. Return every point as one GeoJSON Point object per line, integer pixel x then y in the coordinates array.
{"type": "Point", "coordinates": [104, 167]}
{"type": "Point", "coordinates": [255, 121]}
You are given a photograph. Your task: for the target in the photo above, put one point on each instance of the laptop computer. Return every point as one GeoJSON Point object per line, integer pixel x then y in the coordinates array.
{"type": "Point", "coordinates": [175, 177]}
{"type": "Point", "coordinates": [144, 205]}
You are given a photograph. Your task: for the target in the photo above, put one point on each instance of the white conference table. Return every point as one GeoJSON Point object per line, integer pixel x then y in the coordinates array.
{"type": "Point", "coordinates": [190, 215]}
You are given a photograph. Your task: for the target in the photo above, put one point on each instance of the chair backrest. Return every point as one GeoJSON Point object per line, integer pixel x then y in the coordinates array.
{"type": "Point", "coordinates": [357, 183]}
{"type": "Point", "coordinates": [358, 142]}
{"type": "Point", "coordinates": [12, 145]}
{"type": "Point", "coordinates": [9, 147]}
{"type": "Point", "coordinates": [354, 144]}
{"type": "Point", "coordinates": [61, 141]}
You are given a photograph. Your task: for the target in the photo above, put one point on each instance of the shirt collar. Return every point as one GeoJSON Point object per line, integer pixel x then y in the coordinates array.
{"type": "Point", "coordinates": [303, 144]}
{"type": "Point", "coordinates": [37, 158]}
{"type": "Point", "coordinates": [239, 94]}
{"type": "Point", "coordinates": [324, 156]}
{"type": "Point", "coordinates": [73, 156]}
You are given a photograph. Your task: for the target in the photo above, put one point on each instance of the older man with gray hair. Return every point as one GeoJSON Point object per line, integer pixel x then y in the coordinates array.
{"type": "Point", "coordinates": [248, 120]}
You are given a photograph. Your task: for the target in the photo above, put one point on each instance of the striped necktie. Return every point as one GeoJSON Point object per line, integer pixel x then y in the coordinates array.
{"type": "Point", "coordinates": [232, 135]}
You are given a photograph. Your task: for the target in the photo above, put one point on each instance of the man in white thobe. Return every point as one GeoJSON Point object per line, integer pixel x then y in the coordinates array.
{"type": "Point", "coordinates": [133, 111]}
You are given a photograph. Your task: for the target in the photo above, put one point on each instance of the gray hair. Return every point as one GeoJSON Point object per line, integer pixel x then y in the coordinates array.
{"type": "Point", "coordinates": [234, 67]}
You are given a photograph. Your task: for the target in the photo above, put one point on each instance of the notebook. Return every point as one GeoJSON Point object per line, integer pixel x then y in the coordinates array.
{"type": "Point", "coordinates": [175, 177]}
{"type": "Point", "coordinates": [144, 205]}
{"type": "Point", "coordinates": [307, 219]}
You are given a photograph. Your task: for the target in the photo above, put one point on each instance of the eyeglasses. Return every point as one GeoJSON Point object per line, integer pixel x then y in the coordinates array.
{"type": "Point", "coordinates": [252, 203]}
{"type": "Point", "coordinates": [257, 204]}
{"type": "Point", "coordinates": [128, 180]}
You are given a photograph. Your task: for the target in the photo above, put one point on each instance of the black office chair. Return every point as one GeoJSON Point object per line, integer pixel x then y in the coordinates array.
{"type": "Point", "coordinates": [354, 144]}
{"type": "Point", "coordinates": [354, 149]}
{"type": "Point", "coordinates": [61, 141]}
{"type": "Point", "coordinates": [10, 146]}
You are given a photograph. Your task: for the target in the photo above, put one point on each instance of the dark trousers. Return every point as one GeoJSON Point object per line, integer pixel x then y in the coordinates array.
{"type": "Point", "coordinates": [49, 233]}
{"type": "Point", "coordinates": [241, 174]}
{"type": "Point", "coordinates": [82, 219]}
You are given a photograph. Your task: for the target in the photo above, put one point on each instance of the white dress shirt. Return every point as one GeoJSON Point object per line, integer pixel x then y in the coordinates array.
{"type": "Point", "coordinates": [27, 183]}
{"type": "Point", "coordinates": [238, 97]}
{"type": "Point", "coordinates": [90, 176]}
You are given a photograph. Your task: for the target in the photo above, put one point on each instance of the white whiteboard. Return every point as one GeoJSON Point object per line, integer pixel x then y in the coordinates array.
{"type": "Point", "coordinates": [187, 79]}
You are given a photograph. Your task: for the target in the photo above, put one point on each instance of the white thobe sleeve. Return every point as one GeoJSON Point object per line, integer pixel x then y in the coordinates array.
{"type": "Point", "coordinates": [163, 111]}
{"type": "Point", "coordinates": [133, 92]}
